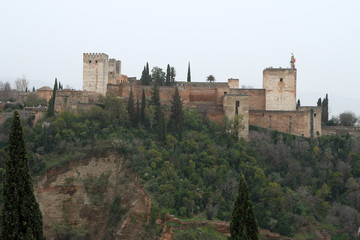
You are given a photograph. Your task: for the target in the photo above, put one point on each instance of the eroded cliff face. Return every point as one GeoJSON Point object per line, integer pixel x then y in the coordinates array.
{"type": "Point", "coordinates": [96, 198]}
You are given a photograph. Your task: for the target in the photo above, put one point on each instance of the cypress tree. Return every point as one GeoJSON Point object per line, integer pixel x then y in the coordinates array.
{"type": "Point", "coordinates": [148, 76]}
{"type": "Point", "coordinates": [189, 74]}
{"type": "Point", "coordinates": [21, 217]}
{"type": "Point", "coordinates": [137, 111]}
{"type": "Point", "coordinates": [143, 107]}
{"type": "Point", "coordinates": [319, 102]}
{"type": "Point", "coordinates": [177, 114]}
{"type": "Point", "coordinates": [143, 77]}
{"type": "Point", "coordinates": [33, 89]}
{"type": "Point", "coordinates": [243, 224]}
{"type": "Point", "coordinates": [172, 75]}
{"type": "Point", "coordinates": [130, 107]}
{"type": "Point", "coordinates": [168, 76]}
{"type": "Point", "coordinates": [161, 127]}
{"type": "Point", "coordinates": [51, 107]}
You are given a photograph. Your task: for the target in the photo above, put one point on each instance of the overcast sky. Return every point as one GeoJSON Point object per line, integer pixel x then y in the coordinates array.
{"type": "Point", "coordinates": [228, 39]}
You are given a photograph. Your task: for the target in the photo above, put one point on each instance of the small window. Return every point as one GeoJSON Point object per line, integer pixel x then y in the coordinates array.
{"type": "Point", "coordinates": [237, 107]}
{"type": "Point", "coordinates": [314, 114]}
{"type": "Point", "coordinates": [281, 79]}
{"type": "Point", "coordinates": [225, 93]}
{"type": "Point", "coordinates": [90, 61]}
{"type": "Point", "coordinates": [96, 61]}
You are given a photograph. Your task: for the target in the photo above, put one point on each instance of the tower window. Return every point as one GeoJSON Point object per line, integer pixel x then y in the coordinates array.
{"type": "Point", "coordinates": [96, 61]}
{"type": "Point", "coordinates": [281, 79]}
{"type": "Point", "coordinates": [90, 61]}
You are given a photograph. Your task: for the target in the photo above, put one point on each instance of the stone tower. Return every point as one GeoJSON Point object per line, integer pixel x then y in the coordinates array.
{"type": "Point", "coordinates": [280, 89]}
{"type": "Point", "coordinates": [95, 72]}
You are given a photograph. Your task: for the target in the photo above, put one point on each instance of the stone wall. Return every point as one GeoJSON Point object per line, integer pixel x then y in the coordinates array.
{"type": "Point", "coordinates": [236, 104]}
{"type": "Point", "coordinates": [67, 100]}
{"type": "Point", "coordinates": [280, 87]}
{"type": "Point", "coordinates": [305, 122]}
{"type": "Point", "coordinates": [341, 130]}
{"type": "Point", "coordinates": [256, 97]}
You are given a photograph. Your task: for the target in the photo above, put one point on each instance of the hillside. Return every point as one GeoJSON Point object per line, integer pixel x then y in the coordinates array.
{"type": "Point", "coordinates": [300, 187]}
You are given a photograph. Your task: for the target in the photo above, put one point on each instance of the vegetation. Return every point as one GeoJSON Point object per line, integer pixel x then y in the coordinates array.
{"type": "Point", "coordinates": [298, 186]}
{"type": "Point", "coordinates": [21, 217]}
{"type": "Point", "coordinates": [243, 224]}
{"type": "Point", "coordinates": [210, 78]}
{"type": "Point", "coordinates": [188, 74]}
{"type": "Point", "coordinates": [51, 105]}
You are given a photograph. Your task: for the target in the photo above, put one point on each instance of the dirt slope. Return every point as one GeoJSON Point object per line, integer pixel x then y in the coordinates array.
{"type": "Point", "coordinates": [76, 200]}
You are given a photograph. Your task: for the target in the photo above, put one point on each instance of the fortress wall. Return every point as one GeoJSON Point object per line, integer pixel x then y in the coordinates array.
{"type": "Point", "coordinates": [95, 72]}
{"type": "Point", "coordinates": [256, 97]}
{"type": "Point", "coordinates": [341, 130]}
{"type": "Point", "coordinates": [67, 100]}
{"type": "Point", "coordinates": [233, 101]}
{"type": "Point", "coordinates": [292, 122]}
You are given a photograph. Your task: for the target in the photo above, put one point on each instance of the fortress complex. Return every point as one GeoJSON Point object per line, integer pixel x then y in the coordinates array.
{"type": "Point", "coordinates": [273, 106]}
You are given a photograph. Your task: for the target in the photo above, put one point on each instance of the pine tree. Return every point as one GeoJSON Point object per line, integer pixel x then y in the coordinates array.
{"type": "Point", "coordinates": [143, 107]}
{"type": "Point", "coordinates": [21, 217]}
{"type": "Point", "coordinates": [243, 224]}
{"type": "Point", "coordinates": [51, 107]}
{"type": "Point", "coordinates": [130, 107]}
{"type": "Point", "coordinates": [177, 114]}
{"type": "Point", "coordinates": [189, 74]}
{"type": "Point", "coordinates": [168, 76]}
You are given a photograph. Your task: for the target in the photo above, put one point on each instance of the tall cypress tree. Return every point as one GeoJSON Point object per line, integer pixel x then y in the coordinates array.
{"type": "Point", "coordinates": [137, 111]}
{"type": "Point", "coordinates": [148, 76]}
{"type": "Point", "coordinates": [130, 107]}
{"type": "Point", "coordinates": [168, 76]}
{"type": "Point", "coordinates": [161, 127]}
{"type": "Point", "coordinates": [143, 107]}
{"type": "Point", "coordinates": [189, 74]}
{"type": "Point", "coordinates": [243, 224]}
{"type": "Point", "coordinates": [177, 114]}
{"type": "Point", "coordinates": [51, 107]}
{"type": "Point", "coordinates": [21, 216]}
{"type": "Point", "coordinates": [143, 77]}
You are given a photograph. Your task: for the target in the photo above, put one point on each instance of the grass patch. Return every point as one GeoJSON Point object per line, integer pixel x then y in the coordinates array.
{"type": "Point", "coordinates": [198, 234]}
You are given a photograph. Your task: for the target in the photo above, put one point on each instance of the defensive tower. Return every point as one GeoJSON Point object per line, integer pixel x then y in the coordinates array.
{"type": "Point", "coordinates": [95, 72]}
{"type": "Point", "coordinates": [280, 89]}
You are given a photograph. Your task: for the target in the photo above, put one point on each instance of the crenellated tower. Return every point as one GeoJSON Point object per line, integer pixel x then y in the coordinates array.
{"type": "Point", "coordinates": [95, 72]}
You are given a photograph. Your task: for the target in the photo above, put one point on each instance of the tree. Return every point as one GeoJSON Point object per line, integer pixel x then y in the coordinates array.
{"type": "Point", "coordinates": [21, 84]}
{"type": "Point", "coordinates": [188, 74]}
{"type": "Point", "coordinates": [161, 127]}
{"type": "Point", "coordinates": [158, 75]}
{"type": "Point", "coordinates": [143, 107]}
{"type": "Point", "coordinates": [210, 78]}
{"type": "Point", "coordinates": [319, 102]}
{"type": "Point", "coordinates": [33, 89]}
{"type": "Point", "coordinates": [51, 107]}
{"type": "Point", "coordinates": [130, 107]}
{"type": "Point", "coordinates": [172, 75]}
{"type": "Point", "coordinates": [21, 216]}
{"type": "Point", "coordinates": [168, 75]}
{"type": "Point", "coordinates": [243, 224]}
{"type": "Point", "coordinates": [347, 118]}
{"type": "Point", "coordinates": [145, 76]}
{"type": "Point", "coordinates": [137, 111]}
{"type": "Point", "coordinates": [325, 110]}
{"type": "Point", "coordinates": [115, 110]}
{"type": "Point", "coordinates": [177, 114]}
{"type": "Point", "coordinates": [298, 103]}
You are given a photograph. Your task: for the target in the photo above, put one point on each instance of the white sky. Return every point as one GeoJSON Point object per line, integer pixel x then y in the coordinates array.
{"type": "Point", "coordinates": [228, 39]}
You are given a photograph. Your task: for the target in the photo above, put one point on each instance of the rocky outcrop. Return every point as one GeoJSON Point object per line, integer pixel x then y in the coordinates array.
{"type": "Point", "coordinates": [96, 198]}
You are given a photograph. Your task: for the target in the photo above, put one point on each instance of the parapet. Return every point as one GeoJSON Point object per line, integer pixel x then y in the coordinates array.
{"type": "Point", "coordinates": [95, 56]}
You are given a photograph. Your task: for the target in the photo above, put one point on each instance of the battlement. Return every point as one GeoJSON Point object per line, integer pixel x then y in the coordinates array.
{"type": "Point", "coordinates": [95, 56]}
